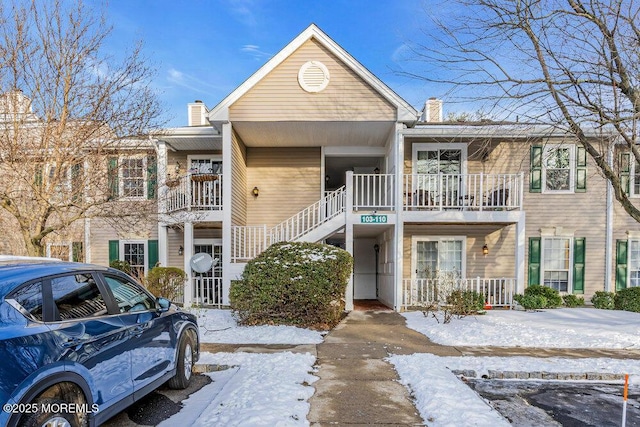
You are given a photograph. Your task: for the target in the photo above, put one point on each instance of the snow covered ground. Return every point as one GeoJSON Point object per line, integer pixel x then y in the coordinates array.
{"type": "Point", "coordinates": [273, 389]}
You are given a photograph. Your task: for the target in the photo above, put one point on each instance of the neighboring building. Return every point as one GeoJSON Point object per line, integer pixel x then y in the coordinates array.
{"type": "Point", "coordinates": [313, 147]}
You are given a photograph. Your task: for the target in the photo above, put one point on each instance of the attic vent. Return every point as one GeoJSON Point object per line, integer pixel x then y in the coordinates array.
{"type": "Point", "coordinates": [313, 76]}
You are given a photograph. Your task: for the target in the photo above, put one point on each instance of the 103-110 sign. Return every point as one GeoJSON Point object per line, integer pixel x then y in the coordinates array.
{"type": "Point", "coordinates": [373, 219]}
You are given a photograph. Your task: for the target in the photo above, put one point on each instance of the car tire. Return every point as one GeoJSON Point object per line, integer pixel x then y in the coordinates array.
{"type": "Point", "coordinates": [48, 414]}
{"type": "Point", "coordinates": [184, 365]}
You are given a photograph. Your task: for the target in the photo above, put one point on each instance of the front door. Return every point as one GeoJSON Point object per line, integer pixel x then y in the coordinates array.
{"type": "Point", "coordinates": [208, 285]}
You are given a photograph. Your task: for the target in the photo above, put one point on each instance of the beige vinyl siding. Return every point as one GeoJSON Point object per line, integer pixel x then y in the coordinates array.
{"type": "Point", "coordinates": [279, 97]}
{"type": "Point", "coordinates": [288, 180]}
{"type": "Point", "coordinates": [239, 181]}
{"type": "Point", "coordinates": [500, 239]}
{"type": "Point", "coordinates": [101, 232]}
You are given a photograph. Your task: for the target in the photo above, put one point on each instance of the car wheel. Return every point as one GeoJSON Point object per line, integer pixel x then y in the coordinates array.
{"type": "Point", "coordinates": [184, 364]}
{"type": "Point", "coordinates": [50, 415]}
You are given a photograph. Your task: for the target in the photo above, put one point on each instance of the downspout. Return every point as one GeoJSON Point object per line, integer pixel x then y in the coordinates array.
{"type": "Point", "coordinates": [609, 227]}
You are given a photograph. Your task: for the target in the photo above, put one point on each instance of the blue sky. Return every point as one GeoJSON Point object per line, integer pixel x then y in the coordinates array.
{"type": "Point", "coordinates": [203, 49]}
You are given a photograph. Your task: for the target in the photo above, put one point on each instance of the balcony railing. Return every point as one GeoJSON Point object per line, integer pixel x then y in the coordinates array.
{"type": "Point", "coordinates": [497, 292]}
{"type": "Point", "coordinates": [194, 192]}
{"type": "Point", "coordinates": [463, 191]}
{"type": "Point", "coordinates": [374, 191]}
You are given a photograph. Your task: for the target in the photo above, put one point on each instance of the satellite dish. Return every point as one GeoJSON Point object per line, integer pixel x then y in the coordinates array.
{"type": "Point", "coordinates": [201, 262]}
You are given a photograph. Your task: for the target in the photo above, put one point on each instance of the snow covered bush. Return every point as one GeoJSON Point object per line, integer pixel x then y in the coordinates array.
{"type": "Point", "coordinates": [293, 283]}
{"type": "Point", "coordinates": [628, 299]}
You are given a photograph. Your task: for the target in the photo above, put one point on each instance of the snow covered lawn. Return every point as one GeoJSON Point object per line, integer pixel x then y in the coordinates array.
{"type": "Point", "coordinates": [559, 328]}
{"type": "Point", "coordinates": [219, 326]}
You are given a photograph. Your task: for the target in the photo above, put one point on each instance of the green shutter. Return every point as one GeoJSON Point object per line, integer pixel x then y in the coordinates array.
{"type": "Point", "coordinates": [76, 182]}
{"type": "Point", "coordinates": [77, 252]}
{"type": "Point", "coordinates": [152, 176]}
{"type": "Point", "coordinates": [535, 175]}
{"type": "Point", "coordinates": [114, 250]}
{"type": "Point", "coordinates": [153, 253]}
{"type": "Point", "coordinates": [581, 170]}
{"type": "Point", "coordinates": [112, 177]}
{"type": "Point", "coordinates": [621, 264]}
{"type": "Point", "coordinates": [625, 171]}
{"type": "Point", "coordinates": [578, 265]}
{"type": "Point", "coordinates": [37, 179]}
{"type": "Point", "coordinates": [534, 261]}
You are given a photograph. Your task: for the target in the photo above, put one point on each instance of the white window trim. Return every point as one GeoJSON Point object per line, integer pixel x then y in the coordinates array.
{"type": "Point", "coordinates": [211, 157]}
{"type": "Point", "coordinates": [435, 146]}
{"type": "Point", "coordinates": [414, 251]}
{"type": "Point", "coordinates": [145, 177]}
{"type": "Point", "coordinates": [572, 168]}
{"type": "Point", "coordinates": [67, 244]}
{"type": "Point", "coordinates": [121, 243]}
{"type": "Point", "coordinates": [543, 240]}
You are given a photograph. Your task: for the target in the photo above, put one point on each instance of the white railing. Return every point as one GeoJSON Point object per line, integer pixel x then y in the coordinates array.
{"type": "Point", "coordinates": [194, 192]}
{"type": "Point", "coordinates": [248, 242]}
{"type": "Point", "coordinates": [478, 192]}
{"type": "Point", "coordinates": [498, 292]}
{"type": "Point", "coordinates": [309, 218]}
{"type": "Point", "coordinates": [374, 191]}
{"type": "Point", "coordinates": [207, 291]}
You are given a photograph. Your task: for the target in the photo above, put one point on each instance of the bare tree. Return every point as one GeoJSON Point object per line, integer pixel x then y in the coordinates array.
{"type": "Point", "coordinates": [67, 113]}
{"type": "Point", "coordinates": [570, 63]}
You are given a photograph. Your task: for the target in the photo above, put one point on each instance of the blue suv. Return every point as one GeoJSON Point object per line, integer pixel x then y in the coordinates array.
{"type": "Point", "coordinates": [80, 342]}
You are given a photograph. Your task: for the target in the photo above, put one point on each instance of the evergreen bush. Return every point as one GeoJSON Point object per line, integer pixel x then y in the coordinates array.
{"type": "Point", "coordinates": [464, 303]}
{"type": "Point", "coordinates": [551, 295]}
{"type": "Point", "coordinates": [531, 302]}
{"type": "Point", "coordinates": [571, 300]}
{"type": "Point", "coordinates": [603, 300]}
{"type": "Point", "coordinates": [293, 283]}
{"type": "Point", "coordinates": [120, 265]}
{"type": "Point", "coordinates": [628, 299]}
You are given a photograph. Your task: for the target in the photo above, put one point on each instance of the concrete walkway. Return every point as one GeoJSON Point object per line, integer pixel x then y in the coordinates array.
{"type": "Point", "coordinates": [357, 387]}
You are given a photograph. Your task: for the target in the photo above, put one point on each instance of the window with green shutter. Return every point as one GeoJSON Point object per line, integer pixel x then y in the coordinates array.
{"type": "Point", "coordinates": [153, 253]}
{"type": "Point", "coordinates": [114, 250]}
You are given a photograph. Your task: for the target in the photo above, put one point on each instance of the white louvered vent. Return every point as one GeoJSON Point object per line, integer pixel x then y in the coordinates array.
{"type": "Point", "coordinates": [313, 76]}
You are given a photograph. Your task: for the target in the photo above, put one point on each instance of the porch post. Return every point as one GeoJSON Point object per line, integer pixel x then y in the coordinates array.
{"type": "Point", "coordinates": [348, 236]}
{"type": "Point", "coordinates": [521, 243]}
{"type": "Point", "coordinates": [187, 245]}
{"type": "Point", "coordinates": [227, 174]}
{"type": "Point", "coordinates": [163, 245]}
{"type": "Point", "coordinates": [398, 230]}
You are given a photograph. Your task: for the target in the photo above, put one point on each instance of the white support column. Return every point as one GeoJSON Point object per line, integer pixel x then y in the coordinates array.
{"type": "Point", "coordinates": [348, 236]}
{"type": "Point", "coordinates": [162, 176]}
{"type": "Point", "coordinates": [187, 244]}
{"type": "Point", "coordinates": [398, 230]}
{"type": "Point", "coordinates": [521, 243]}
{"type": "Point", "coordinates": [87, 240]}
{"type": "Point", "coordinates": [227, 173]}
{"type": "Point", "coordinates": [163, 245]}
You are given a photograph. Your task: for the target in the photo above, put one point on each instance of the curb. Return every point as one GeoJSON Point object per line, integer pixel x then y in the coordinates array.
{"type": "Point", "coordinates": [540, 375]}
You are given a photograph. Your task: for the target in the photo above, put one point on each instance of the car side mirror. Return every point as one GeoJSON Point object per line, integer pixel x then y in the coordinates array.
{"type": "Point", "coordinates": [162, 304]}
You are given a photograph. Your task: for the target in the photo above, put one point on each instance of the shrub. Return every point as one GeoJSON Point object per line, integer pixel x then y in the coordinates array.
{"type": "Point", "coordinates": [603, 300]}
{"type": "Point", "coordinates": [551, 295]}
{"type": "Point", "coordinates": [292, 283]}
{"type": "Point", "coordinates": [464, 303]}
{"type": "Point", "coordinates": [628, 299]}
{"type": "Point", "coordinates": [531, 302]}
{"type": "Point", "coordinates": [120, 265]}
{"type": "Point", "coordinates": [166, 282]}
{"type": "Point", "coordinates": [571, 300]}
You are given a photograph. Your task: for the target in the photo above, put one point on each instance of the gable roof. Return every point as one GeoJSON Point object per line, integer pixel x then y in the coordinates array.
{"type": "Point", "coordinates": [405, 112]}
